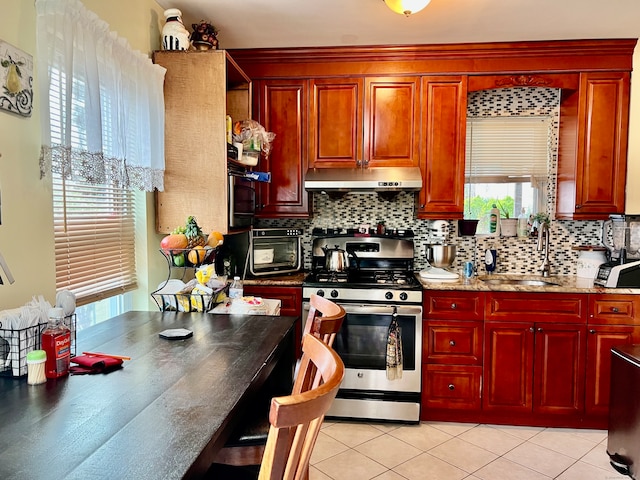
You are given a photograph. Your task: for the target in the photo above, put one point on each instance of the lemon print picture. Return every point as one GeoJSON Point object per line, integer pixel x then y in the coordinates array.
{"type": "Point", "coordinates": [16, 80]}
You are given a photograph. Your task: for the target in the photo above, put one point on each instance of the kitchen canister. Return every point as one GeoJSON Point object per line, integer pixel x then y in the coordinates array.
{"type": "Point", "coordinates": [590, 257]}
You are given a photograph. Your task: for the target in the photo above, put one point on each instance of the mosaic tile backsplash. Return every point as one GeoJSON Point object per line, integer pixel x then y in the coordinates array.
{"type": "Point", "coordinates": [515, 255]}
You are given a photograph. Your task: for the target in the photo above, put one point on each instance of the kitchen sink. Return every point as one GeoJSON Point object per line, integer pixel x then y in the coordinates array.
{"type": "Point", "coordinates": [514, 281]}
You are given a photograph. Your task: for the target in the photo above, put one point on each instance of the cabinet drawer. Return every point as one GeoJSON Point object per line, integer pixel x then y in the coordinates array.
{"type": "Point", "coordinates": [451, 387]}
{"type": "Point", "coordinates": [614, 309]}
{"type": "Point", "coordinates": [536, 307]}
{"type": "Point", "coordinates": [451, 342]}
{"type": "Point", "coordinates": [454, 305]}
{"type": "Point", "coordinates": [290, 297]}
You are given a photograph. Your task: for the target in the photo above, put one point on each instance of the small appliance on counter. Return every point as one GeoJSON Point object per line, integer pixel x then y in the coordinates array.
{"type": "Point", "coordinates": [274, 251]}
{"type": "Point", "coordinates": [613, 275]}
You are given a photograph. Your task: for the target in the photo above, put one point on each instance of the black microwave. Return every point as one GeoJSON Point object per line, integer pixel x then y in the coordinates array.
{"type": "Point", "coordinates": [242, 201]}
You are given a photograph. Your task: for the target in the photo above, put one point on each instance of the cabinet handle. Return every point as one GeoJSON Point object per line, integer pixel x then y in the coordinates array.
{"type": "Point", "coordinates": [359, 163]}
{"type": "Point", "coordinates": [614, 309]}
{"type": "Point", "coordinates": [592, 331]}
{"type": "Point", "coordinates": [578, 206]}
{"type": "Point", "coordinates": [452, 343]}
{"type": "Point", "coordinates": [365, 163]}
{"type": "Point", "coordinates": [540, 329]}
{"type": "Point", "coordinates": [422, 206]}
{"type": "Point", "coordinates": [453, 306]}
{"type": "Point", "coordinates": [452, 386]}
{"type": "Point", "coordinates": [531, 329]}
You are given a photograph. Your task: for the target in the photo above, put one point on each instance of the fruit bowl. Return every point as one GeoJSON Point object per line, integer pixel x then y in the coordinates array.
{"type": "Point", "coordinates": [183, 257]}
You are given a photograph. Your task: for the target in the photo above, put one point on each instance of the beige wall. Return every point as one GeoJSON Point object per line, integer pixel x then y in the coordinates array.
{"type": "Point", "coordinates": [26, 232]}
{"type": "Point", "coordinates": [633, 158]}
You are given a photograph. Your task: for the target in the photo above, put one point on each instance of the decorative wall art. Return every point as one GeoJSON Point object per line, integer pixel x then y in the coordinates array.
{"type": "Point", "coordinates": [16, 80]}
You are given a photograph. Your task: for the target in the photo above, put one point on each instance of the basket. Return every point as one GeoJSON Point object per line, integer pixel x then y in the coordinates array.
{"type": "Point", "coordinates": [16, 343]}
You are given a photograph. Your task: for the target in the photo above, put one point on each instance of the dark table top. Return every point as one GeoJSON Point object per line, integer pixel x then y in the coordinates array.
{"type": "Point", "coordinates": [162, 416]}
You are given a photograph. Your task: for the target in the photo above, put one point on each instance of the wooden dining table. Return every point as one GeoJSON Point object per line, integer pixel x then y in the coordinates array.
{"type": "Point", "coordinates": [163, 415]}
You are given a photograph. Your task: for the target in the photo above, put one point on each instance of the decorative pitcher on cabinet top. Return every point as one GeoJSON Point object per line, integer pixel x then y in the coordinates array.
{"type": "Point", "coordinates": [174, 34]}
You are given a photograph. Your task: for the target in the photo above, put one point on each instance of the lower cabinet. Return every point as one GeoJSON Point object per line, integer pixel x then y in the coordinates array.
{"type": "Point", "coordinates": [534, 368]}
{"type": "Point", "coordinates": [291, 303]}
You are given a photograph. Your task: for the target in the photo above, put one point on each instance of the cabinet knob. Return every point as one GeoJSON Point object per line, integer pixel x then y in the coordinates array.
{"type": "Point", "coordinates": [422, 206]}
{"type": "Point", "coordinates": [452, 386]}
{"type": "Point", "coordinates": [531, 329]}
{"type": "Point", "coordinates": [540, 329]}
{"type": "Point", "coordinates": [453, 306]}
{"type": "Point", "coordinates": [592, 331]}
{"type": "Point", "coordinates": [614, 309]}
{"type": "Point", "coordinates": [359, 163]}
{"type": "Point", "coordinates": [452, 343]}
{"type": "Point", "coordinates": [578, 206]}
{"type": "Point", "coordinates": [366, 163]}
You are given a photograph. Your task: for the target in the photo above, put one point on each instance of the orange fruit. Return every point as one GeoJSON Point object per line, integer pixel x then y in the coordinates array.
{"type": "Point", "coordinates": [215, 239]}
{"type": "Point", "coordinates": [196, 255]}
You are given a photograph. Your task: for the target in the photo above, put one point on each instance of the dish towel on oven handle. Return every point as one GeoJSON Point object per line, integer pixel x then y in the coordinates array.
{"type": "Point", "coordinates": [394, 348]}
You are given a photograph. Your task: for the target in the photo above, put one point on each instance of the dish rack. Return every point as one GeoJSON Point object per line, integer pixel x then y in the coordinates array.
{"type": "Point", "coordinates": [16, 343]}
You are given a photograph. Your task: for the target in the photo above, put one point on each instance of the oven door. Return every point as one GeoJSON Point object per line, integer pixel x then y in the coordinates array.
{"type": "Point", "coordinates": [366, 392]}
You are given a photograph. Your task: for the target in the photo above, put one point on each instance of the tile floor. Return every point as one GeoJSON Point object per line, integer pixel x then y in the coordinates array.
{"type": "Point", "coordinates": [457, 451]}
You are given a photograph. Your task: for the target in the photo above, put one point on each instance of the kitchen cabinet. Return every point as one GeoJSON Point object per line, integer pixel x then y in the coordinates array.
{"type": "Point", "coordinates": [282, 109]}
{"type": "Point", "coordinates": [291, 304]}
{"type": "Point", "coordinates": [613, 321]}
{"type": "Point", "coordinates": [592, 154]}
{"type": "Point", "coordinates": [534, 355]}
{"type": "Point", "coordinates": [364, 122]}
{"type": "Point", "coordinates": [444, 123]}
{"type": "Point", "coordinates": [451, 354]}
{"type": "Point", "coordinates": [201, 88]}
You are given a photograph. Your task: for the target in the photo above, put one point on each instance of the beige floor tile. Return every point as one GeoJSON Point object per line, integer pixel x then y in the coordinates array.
{"type": "Point", "coordinates": [492, 439]}
{"type": "Point", "coordinates": [352, 434]}
{"type": "Point", "coordinates": [388, 450]}
{"type": "Point", "coordinates": [584, 471]}
{"type": "Point", "coordinates": [326, 447]}
{"type": "Point", "coordinates": [595, 436]}
{"type": "Point", "coordinates": [428, 467]}
{"type": "Point", "coordinates": [519, 431]}
{"type": "Point", "coordinates": [350, 465]}
{"type": "Point", "coordinates": [540, 459]}
{"type": "Point", "coordinates": [422, 436]}
{"type": "Point", "coordinates": [598, 457]}
{"type": "Point", "coordinates": [315, 474]}
{"type": "Point", "coordinates": [385, 427]}
{"type": "Point", "coordinates": [389, 475]}
{"type": "Point", "coordinates": [463, 454]}
{"type": "Point", "coordinates": [563, 441]}
{"type": "Point", "coordinates": [503, 469]}
{"type": "Point", "coordinates": [452, 428]}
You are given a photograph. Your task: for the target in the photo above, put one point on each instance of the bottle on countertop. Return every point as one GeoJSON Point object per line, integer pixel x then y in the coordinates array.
{"type": "Point", "coordinates": [56, 342]}
{"type": "Point", "coordinates": [236, 288]}
{"type": "Point", "coordinates": [523, 224]}
{"type": "Point", "coordinates": [494, 220]}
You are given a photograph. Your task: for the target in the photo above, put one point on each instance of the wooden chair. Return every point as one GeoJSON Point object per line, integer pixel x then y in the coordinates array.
{"type": "Point", "coordinates": [295, 419]}
{"type": "Point", "coordinates": [246, 444]}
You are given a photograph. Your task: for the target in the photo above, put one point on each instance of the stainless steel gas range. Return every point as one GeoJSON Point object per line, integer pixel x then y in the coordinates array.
{"type": "Point", "coordinates": [377, 285]}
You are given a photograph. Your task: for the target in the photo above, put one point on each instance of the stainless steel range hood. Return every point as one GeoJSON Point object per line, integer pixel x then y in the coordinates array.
{"type": "Point", "coordinates": [380, 179]}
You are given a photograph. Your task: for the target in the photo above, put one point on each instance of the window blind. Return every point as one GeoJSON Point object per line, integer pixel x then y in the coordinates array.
{"type": "Point", "coordinates": [94, 229]}
{"type": "Point", "coordinates": [503, 149]}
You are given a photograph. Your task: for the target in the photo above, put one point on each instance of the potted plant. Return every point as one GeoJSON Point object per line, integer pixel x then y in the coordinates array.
{"type": "Point", "coordinates": [508, 226]}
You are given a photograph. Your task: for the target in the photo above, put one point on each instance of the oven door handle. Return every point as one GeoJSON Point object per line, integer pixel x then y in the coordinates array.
{"type": "Point", "coordinates": [382, 309]}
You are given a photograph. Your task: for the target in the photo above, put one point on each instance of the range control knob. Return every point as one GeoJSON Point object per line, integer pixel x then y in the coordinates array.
{"type": "Point", "coordinates": [320, 293]}
{"type": "Point", "coordinates": [403, 295]}
{"type": "Point", "coordinates": [388, 295]}
{"type": "Point", "coordinates": [334, 293]}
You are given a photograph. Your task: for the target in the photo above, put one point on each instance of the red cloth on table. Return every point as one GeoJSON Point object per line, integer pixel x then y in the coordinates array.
{"type": "Point", "coordinates": [88, 364]}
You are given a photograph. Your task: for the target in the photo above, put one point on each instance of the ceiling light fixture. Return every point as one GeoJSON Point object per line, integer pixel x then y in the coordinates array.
{"type": "Point", "coordinates": [406, 7]}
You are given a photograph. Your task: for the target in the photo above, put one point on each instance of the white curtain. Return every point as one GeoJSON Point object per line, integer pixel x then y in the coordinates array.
{"type": "Point", "coordinates": [102, 103]}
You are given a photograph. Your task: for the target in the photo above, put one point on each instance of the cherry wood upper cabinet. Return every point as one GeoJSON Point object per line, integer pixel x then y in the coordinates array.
{"type": "Point", "coordinates": [282, 109]}
{"type": "Point", "coordinates": [444, 126]}
{"type": "Point", "coordinates": [592, 156]}
{"type": "Point", "coordinates": [392, 122]}
{"type": "Point", "coordinates": [335, 127]}
{"type": "Point", "coordinates": [364, 122]}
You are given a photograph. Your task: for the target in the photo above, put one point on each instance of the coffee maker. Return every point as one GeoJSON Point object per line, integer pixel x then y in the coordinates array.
{"type": "Point", "coordinates": [621, 236]}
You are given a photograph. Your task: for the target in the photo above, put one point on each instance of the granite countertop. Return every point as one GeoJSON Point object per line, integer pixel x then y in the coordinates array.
{"type": "Point", "coordinates": [285, 280]}
{"type": "Point", "coordinates": [562, 284]}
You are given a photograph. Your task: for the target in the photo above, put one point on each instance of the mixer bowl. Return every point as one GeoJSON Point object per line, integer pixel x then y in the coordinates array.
{"type": "Point", "coordinates": [440, 256]}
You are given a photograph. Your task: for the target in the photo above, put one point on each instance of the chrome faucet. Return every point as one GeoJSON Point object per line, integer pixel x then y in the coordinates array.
{"type": "Point", "coordinates": [543, 242]}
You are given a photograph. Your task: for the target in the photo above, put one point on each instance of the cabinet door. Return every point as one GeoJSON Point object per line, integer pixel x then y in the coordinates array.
{"type": "Point", "coordinates": [444, 125]}
{"type": "Point", "coordinates": [282, 109]}
{"type": "Point", "coordinates": [392, 122]}
{"type": "Point", "coordinates": [592, 157]}
{"type": "Point", "coordinates": [508, 367]}
{"type": "Point", "coordinates": [559, 369]}
{"type": "Point", "coordinates": [601, 339]}
{"type": "Point", "coordinates": [452, 342]}
{"type": "Point", "coordinates": [335, 122]}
